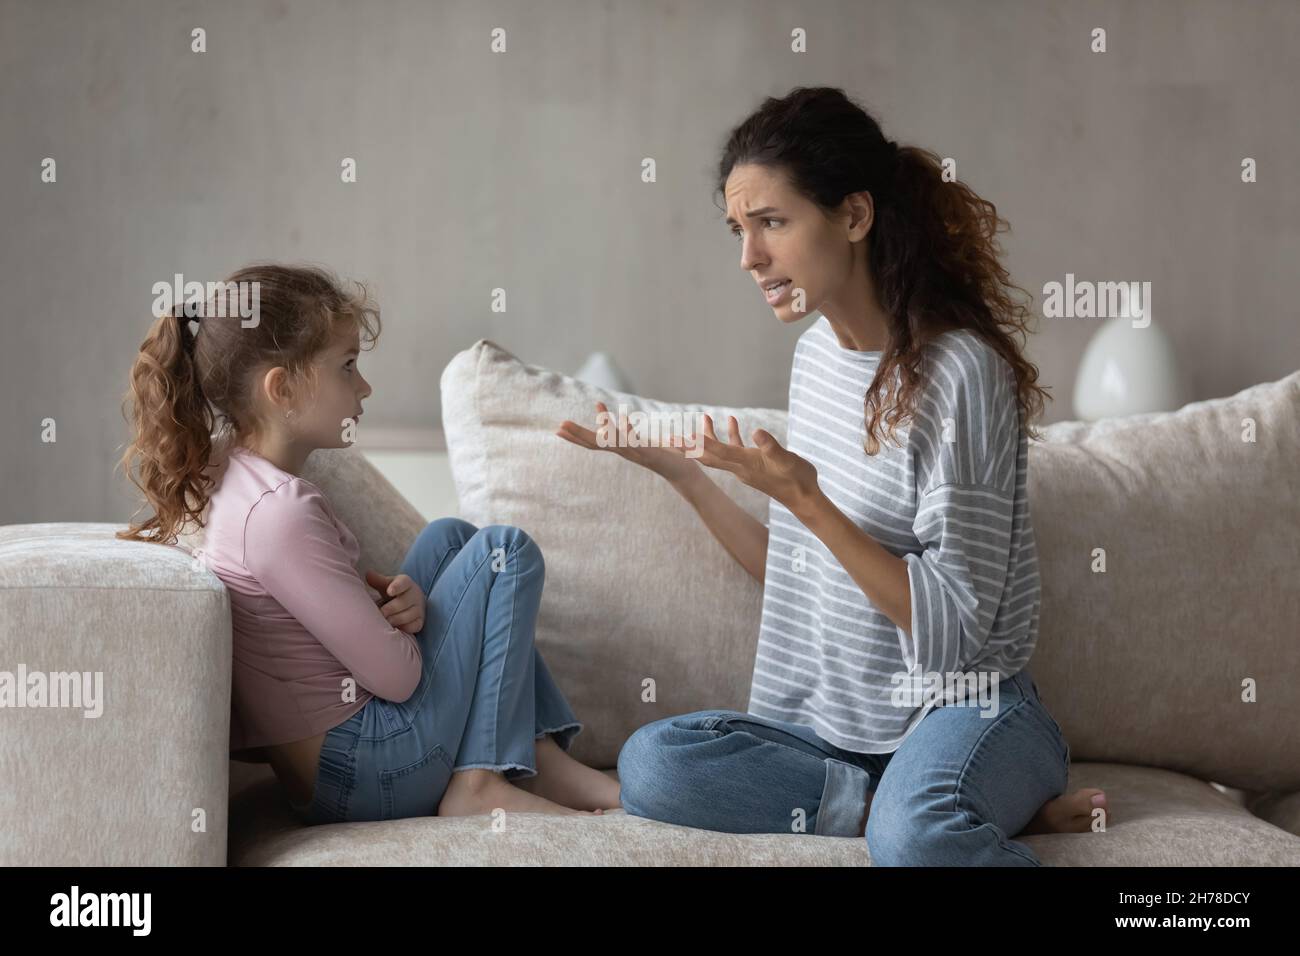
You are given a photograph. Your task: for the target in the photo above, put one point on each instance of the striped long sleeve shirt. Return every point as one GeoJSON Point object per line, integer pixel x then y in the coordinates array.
{"type": "Point", "coordinates": [950, 499]}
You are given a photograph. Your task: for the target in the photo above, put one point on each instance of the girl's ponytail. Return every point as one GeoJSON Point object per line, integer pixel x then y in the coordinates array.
{"type": "Point", "coordinates": [172, 423]}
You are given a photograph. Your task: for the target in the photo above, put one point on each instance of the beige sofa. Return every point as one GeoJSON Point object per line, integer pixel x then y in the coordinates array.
{"type": "Point", "coordinates": [1174, 667]}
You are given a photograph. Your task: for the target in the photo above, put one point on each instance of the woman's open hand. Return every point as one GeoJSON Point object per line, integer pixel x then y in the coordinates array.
{"type": "Point", "coordinates": [767, 466]}
{"type": "Point", "coordinates": [669, 463]}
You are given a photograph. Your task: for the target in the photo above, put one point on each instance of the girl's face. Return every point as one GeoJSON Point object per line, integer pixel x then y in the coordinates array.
{"type": "Point", "coordinates": [339, 392]}
{"type": "Point", "coordinates": [786, 237]}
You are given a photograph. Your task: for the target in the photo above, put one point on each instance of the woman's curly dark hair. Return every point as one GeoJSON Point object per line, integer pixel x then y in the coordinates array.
{"type": "Point", "coordinates": [934, 256]}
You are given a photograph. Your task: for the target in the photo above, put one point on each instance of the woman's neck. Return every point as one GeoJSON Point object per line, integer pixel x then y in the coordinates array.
{"type": "Point", "coordinates": [863, 328]}
{"type": "Point", "coordinates": [855, 314]}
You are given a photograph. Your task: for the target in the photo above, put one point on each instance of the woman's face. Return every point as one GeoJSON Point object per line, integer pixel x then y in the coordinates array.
{"type": "Point", "coordinates": [784, 236]}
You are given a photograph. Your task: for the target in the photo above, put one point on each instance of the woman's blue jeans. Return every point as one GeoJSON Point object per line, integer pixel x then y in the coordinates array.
{"type": "Point", "coordinates": [955, 792]}
{"type": "Point", "coordinates": [485, 695]}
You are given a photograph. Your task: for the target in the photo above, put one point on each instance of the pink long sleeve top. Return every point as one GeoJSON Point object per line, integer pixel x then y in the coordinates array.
{"type": "Point", "coordinates": [311, 646]}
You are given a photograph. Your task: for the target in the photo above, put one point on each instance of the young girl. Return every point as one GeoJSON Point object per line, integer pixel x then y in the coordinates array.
{"type": "Point", "coordinates": [881, 565]}
{"type": "Point", "coordinates": [431, 699]}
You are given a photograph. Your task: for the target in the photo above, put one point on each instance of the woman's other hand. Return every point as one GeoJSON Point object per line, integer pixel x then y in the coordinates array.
{"type": "Point", "coordinates": [767, 466]}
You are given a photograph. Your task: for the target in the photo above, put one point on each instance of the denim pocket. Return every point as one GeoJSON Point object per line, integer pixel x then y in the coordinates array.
{"type": "Point", "coordinates": [1059, 732]}
{"type": "Point", "coordinates": [1049, 724]}
{"type": "Point", "coordinates": [416, 789]}
{"type": "Point", "coordinates": [1043, 707]}
{"type": "Point", "coordinates": [1048, 714]}
{"type": "Point", "coordinates": [1061, 743]}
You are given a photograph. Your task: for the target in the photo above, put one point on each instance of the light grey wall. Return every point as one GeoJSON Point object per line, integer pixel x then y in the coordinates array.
{"type": "Point", "coordinates": [522, 171]}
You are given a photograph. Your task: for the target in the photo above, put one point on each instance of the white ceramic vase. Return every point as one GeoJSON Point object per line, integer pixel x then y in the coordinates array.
{"type": "Point", "coordinates": [1128, 371]}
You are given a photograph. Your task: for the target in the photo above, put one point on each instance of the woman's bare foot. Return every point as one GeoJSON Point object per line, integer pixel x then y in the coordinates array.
{"type": "Point", "coordinates": [475, 792]}
{"type": "Point", "coordinates": [1068, 813]}
{"type": "Point", "coordinates": [569, 782]}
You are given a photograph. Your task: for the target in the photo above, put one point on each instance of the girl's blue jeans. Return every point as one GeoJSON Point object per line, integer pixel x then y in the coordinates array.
{"type": "Point", "coordinates": [961, 785]}
{"type": "Point", "coordinates": [485, 695]}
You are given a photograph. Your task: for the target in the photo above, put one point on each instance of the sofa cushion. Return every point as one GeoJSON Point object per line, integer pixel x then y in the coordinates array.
{"type": "Point", "coordinates": [1142, 664]}
{"type": "Point", "coordinates": [1147, 662]}
{"type": "Point", "coordinates": [644, 614]}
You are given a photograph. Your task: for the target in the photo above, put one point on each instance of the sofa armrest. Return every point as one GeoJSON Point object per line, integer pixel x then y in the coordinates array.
{"type": "Point", "coordinates": [114, 701]}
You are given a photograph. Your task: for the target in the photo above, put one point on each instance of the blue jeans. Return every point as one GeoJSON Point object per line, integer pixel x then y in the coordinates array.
{"type": "Point", "coordinates": [485, 695]}
{"type": "Point", "coordinates": [953, 794]}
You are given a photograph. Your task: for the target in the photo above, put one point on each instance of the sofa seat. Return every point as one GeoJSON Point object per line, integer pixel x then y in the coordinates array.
{"type": "Point", "coordinates": [1163, 818]}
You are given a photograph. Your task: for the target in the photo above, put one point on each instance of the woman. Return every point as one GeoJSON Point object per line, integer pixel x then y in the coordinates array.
{"type": "Point", "coordinates": [888, 560]}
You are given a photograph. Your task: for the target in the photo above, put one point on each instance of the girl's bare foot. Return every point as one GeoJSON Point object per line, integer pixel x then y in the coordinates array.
{"type": "Point", "coordinates": [474, 792]}
{"type": "Point", "coordinates": [569, 782]}
{"type": "Point", "coordinates": [1068, 813]}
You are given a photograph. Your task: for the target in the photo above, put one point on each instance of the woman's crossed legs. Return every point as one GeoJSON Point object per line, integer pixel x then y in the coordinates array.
{"type": "Point", "coordinates": [954, 793]}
